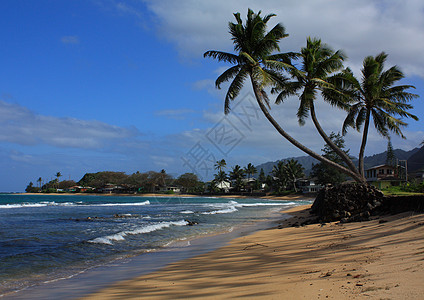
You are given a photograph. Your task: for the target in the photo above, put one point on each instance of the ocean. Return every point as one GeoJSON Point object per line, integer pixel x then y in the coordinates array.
{"type": "Point", "coordinates": [51, 238]}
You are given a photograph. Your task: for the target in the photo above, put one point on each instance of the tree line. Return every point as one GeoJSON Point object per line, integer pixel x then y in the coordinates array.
{"type": "Point", "coordinates": [149, 181]}
{"type": "Point", "coordinates": [282, 179]}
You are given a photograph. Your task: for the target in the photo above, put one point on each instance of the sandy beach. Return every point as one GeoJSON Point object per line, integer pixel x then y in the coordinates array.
{"type": "Point", "coordinates": [378, 259]}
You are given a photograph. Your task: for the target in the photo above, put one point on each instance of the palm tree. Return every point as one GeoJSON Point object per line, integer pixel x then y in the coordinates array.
{"type": "Point", "coordinates": [293, 170]}
{"type": "Point", "coordinates": [221, 176]}
{"type": "Point", "coordinates": [162, 177]}
{"type": "Point", "coordinates": [250, 170]}
{"type": "Point", "coordinates": [220, 164]}
{"type": "Point", "coordinates": [220, 179]}
{"type": "Point", "coordinates": [237, 175]}
{"type": "Point", "coordinates": [317, 62]}
{"type": "Point", "coordinates": [255, 60]}
{"type": "Point", "coordinates": [58, 175]}
{"type": "Point", "coordinates": [39, 180]}
{"type": "Point", "coordinates": [279, 173]}
{"type": "Point", "coordinates": [377, 98]}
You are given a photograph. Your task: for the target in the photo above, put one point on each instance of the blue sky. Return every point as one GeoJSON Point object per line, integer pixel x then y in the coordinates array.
{"type": "Point", "coordinates": [98, 85]}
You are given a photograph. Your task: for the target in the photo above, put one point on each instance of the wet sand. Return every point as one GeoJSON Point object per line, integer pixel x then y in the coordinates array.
{"type": "Point", "coordinates": [378, 259]}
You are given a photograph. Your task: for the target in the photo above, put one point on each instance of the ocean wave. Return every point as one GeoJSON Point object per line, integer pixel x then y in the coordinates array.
{"type": "Point", "coordinates": [120, 236]}
{"type": "Point", "coordinates": [79, 203]}
{"type": "Point", "coordinates": [221, 211]}
{"type": "Point", "coordinates": [186, 212]}
{"type": "Point", "coordinates": [122, 204]}
{"type": "Point", "coordinates": [231, 206]}
{"type": "Point", "coordinates": [263, 204]}
{"type": "Point", "coordinates": [39, 204]}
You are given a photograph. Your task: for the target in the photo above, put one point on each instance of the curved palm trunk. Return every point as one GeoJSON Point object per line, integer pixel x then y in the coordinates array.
{"type": "Point", "coordinates": [330, 143]}
{"type": "Point", "coordinates": [363, 144]}
{"type": "Point", "coordinates": [280, 130]}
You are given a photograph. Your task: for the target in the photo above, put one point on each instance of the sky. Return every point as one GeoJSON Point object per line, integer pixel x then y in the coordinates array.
{"type": "Point", "coordinates": [108, 85]}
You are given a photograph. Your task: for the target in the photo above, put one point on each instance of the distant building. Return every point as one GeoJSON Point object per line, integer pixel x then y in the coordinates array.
{"type": "Point", "coordinates": [383, 176]}
{"type": "Point", "coordinates": [174, 189]}
{"type": "Point", "coordinates": [308, 185]}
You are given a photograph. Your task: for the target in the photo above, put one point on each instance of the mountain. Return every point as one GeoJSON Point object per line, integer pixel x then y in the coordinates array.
{"type": "Point", "coordinates": [305, 161]}
{"type": "Point", "coordinates": [415, 159]}
{"type": "Point", "coordinates": [380, 159]}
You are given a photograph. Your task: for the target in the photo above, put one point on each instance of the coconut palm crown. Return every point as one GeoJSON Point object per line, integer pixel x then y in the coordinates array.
{"type": "Point", "coordinates": [255, 57]}
{"type": "Point", "coordinates": [317, 64]}
{"type": "Point", "coordinates": [377, 97]}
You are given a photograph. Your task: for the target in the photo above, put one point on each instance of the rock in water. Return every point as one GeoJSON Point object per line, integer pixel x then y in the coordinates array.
{"type": "Point", "coordinates": [348, 202]}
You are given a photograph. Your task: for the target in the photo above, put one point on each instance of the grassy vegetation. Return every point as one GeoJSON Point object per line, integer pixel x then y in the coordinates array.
{"type": "Point", "coordinates": [409, 189]}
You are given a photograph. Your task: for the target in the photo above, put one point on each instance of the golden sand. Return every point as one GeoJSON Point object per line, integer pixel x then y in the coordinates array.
{"type": "Point", "coordinates": [378, 259]}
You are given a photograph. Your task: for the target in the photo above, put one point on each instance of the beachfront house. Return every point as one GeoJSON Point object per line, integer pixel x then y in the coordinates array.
{"type": "Point", "coordinates": [170, 189]}
{"type": "Point", "coordinates": [383, 176]}
{"type": "Point", "coordinates": [223, 186]}
{"type": "Point", "coordinates": [308, 185]}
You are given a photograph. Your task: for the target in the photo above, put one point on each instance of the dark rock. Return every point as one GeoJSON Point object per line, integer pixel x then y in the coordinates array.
{"type": "Point", "coordinates": [191, 223]}
{"type": "Point", "coordinates": [347, 202]}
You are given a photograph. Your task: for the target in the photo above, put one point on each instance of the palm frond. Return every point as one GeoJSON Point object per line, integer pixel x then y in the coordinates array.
{"type": "Point", "coordinates": [222, 56]}
{"type": "Point", "coordinates": [227, 75]}
{"type": "Point", "coordinates": [276, 65]}
{"type": "Point", "coordinates": [361, 117]}
{"type": "Point", "coordinates": [350, 119]}
{"type": "Point", "coordinates": [286, 90]}
{"type": "Point", "coordinates": [380, 123]}
{"type": "Point", "coordinates": [234, 89]}
{"type": "Point", "coordinates": [304, 107]}
{"type": "Point", "coordinates": [284, 57]}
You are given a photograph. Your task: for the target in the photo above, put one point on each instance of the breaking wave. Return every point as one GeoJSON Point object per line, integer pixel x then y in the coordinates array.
{"type": "Point", "coordinates": [120, 236]}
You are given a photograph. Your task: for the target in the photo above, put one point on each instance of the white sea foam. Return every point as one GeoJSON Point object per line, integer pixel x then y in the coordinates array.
{"type": "Point", "coordinates": [186, 212]}
{"type": "Point", "coordinates": [39, 204]}
{"type": "Point", "coordinates": [122, 204]}
{"type": "Point", "coordinates": [221, 211]}
{"type": "Point", "coordinates": [22, 205]}
{"type": "Point", "coordinates": [120, 236]}
{"type": "Point", "coordinates": [231, 206]}
{"type": "Point", "coordinates": [263, 204]}
{"type": "Point", "coordinates": [45, 203]}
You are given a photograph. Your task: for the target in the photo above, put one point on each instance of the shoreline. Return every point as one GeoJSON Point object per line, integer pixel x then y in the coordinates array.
{"type": "Point", "coordinates": [382, 258]}
{"type": "Point", "coordinates": [100, 276]}
{"type": "Point", "coordinates": [287, 197]}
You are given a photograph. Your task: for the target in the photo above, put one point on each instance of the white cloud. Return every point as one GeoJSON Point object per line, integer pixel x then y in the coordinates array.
{"type": "Point", "coordinates": [360, 27]}
{"type": "Point", "coordinates": [19, 125]}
